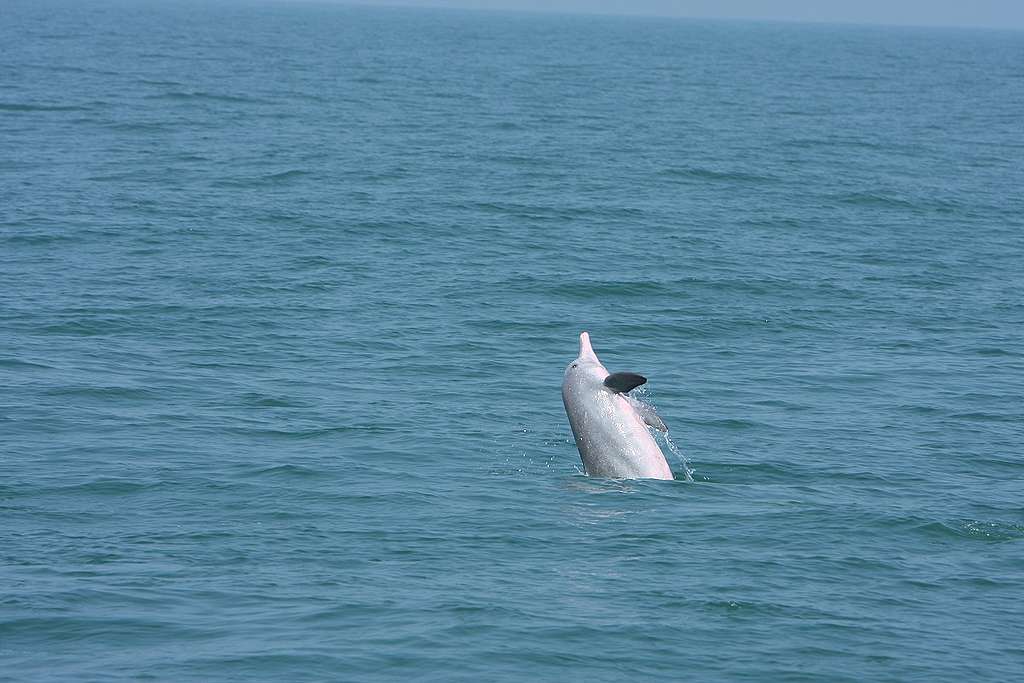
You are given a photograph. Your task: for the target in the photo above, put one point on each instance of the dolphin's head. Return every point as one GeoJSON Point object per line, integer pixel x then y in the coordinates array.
{"type": "Point", "coordinates": [586, 369]}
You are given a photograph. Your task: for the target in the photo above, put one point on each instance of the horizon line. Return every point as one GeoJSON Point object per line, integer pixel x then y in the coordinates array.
{"type": "Point", "coordinates": [654, 14]}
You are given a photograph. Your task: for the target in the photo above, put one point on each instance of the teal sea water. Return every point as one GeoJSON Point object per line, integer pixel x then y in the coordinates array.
{"type": "Point", "coordinates": [287, 291]}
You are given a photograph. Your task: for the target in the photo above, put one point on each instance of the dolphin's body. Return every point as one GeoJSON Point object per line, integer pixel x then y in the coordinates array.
{"type": "Point", "coordinates": [611, 427]}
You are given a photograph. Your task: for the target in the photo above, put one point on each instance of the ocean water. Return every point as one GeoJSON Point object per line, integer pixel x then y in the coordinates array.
{"type": "Point", "coordinates": [287, 291]}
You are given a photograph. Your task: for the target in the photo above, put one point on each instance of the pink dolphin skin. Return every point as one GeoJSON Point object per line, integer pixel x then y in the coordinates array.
{"type": "Point", "coordinates": [611, 428]}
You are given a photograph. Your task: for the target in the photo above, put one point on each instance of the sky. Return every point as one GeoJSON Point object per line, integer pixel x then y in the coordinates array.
{"type": "Point", "coordinates": [988, 13]}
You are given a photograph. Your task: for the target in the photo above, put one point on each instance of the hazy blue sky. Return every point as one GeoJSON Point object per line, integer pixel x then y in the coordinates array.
{"type": "Point", "coordinates": [996, 13]}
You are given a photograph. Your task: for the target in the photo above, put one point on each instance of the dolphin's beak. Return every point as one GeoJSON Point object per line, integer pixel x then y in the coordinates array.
{"type": "Point", "coordinates": [586, 350]}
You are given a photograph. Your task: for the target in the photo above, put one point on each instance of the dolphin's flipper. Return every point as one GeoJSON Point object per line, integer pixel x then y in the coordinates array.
{"type": "Point", "coordinates": [621, 382]}
{"type": "Point", "coordinates": [648, 414]}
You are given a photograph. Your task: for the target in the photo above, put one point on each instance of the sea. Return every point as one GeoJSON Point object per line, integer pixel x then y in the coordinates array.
{"type": "Point", "coordinates": [287, 291]}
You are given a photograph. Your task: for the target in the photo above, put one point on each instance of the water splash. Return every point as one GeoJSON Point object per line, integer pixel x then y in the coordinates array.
{"type": "Point", "coordinates": [643, 394]}
{"type": "Point", "coordinates": [687, 470]}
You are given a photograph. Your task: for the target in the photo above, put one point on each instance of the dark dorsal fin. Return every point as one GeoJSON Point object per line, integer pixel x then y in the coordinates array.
{"type": "Point", "coordinates": [621, 382]}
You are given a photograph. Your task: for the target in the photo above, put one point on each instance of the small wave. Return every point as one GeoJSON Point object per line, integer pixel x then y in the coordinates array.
{"type": "Point", "coordinates": [711, 174]}
{"type": "Point", "coordinates": [591, 290]}
{"type": "Point", "coordinates": [973, 529]}
{"type": "Point", "coordinates": [304, 434]}
{"type": "Point", "coordinates": [752, 608]}
{"type": "Point", "coordinates": [86, 328]}
{"type": "Point", "coordinates": [541, 212]}
{"type": "Point", "coordinates": [515, 159]}
{"type": "Point", "coordinates": [164, 84]}
{"type": "Point", "coordinates": [882, 200]}
{"type": "Point", "coordinates": [180, 95]}
{"type": "Point", "coordinates": [287, 471]}
{"type": "Point", "coordinates": [852, 77]}
{"type": "Point", "coordinates": [137, 127]}
{"type": "Point", "coordinates": [270, 179]}
{"type": "Point", "coordinates": [285, 175]}
{"type": "Point", "coordinates": [107, 487]}
{"type": "Point", "coordinates": [133, 393]}
{"type": "Point", "coordinates": [17, 106]}
{"type": "Point", "coordinates": [265, 401]}
{"type": "Point", "coordinates": [874, 199]}
{"type": "Point", "coordinates": [998, 352]}
{"type": "Point", "coordinates": [805, 143]}
{"type": "Point", "coordinates": [111, 178]}
{"type": "Point", "coordinates": [732, 424]}
{"type": "Point", "coordinates": [314, 261]}
{"type": "Point", "coordinates": [18, 363]}
{"type": "Point", "coordinates": [753, 473]}
{"type": "Point", "coordinates": [65, 628]}
{"type": "Point", "coordinates": [986, 417]}
{"type": "Point", "coordinates": [781, 403]}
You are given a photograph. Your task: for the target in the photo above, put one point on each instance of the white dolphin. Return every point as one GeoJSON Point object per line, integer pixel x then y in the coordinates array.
{"type": "Point", "coordinates": [609, 425]}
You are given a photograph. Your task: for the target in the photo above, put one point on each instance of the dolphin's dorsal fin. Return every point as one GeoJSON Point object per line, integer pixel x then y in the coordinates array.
{"type": "Point", "coordinates": [621, 382]}
{"type": "Point", "coordinates": [648, 414]}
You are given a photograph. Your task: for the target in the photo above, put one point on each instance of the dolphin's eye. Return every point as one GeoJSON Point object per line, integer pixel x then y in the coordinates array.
{"type": "Point", "coordinates": [573, 365]}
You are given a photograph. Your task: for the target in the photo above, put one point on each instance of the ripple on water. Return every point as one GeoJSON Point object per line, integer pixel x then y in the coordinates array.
{"type": "Point", "coordinates": [282, 333]}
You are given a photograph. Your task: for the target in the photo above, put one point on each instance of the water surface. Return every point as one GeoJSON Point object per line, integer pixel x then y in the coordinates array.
{"type": "Point", "coordinates": [287, 290]}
